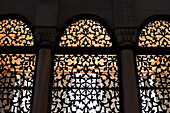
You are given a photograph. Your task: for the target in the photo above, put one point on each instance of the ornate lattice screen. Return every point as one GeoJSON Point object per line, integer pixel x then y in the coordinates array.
{"type": "Point", "coordinates": [153, 66]}
{"type": "Point", "coordinates": [85, 33]}
{"type": "Point", "coordinates": [17, 65]}
{"type": "Point", "coordinates": [86, 82]}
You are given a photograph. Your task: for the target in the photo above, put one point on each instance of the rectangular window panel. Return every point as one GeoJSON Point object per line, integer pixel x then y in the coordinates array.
{"type": "Point", "coordinates": [85, 84]}
{"type": "Point", "coordinates": [154, 82]}
{"type": "Point", "coordinates": [16, 82]}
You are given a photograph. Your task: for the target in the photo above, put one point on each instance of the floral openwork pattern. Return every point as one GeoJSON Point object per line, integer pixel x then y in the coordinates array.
{"type": "Point", "coordinates": [85, 84]}
{"type": "Point", "coordinates": [17, 66]}
{"type": "Point", "coordinates": [153, 67]}
{"type": "Point", "coordinates": [154, 82]}
{"type": "Point", "coordinates": [16, 82]}
{"type": "Point", "coordinates": [85, 33]}
{"type": "Point", "coordinates": [155, 34]}
{"type": "Point", "coordinates": [14, 32]}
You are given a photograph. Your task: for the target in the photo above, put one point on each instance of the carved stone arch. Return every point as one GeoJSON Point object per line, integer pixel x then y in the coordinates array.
{"type": "Point", "coordinates": [24, 20]}
{"type": "Point", "coordinates": [93, 17]}
{"type": "Point", "coordinates": [148, 20]}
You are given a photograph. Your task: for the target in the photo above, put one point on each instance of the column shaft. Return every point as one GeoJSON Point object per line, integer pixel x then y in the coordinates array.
{"type": "Point", "coordinates": [129, 82]}
{"type": "Point", "coordinates": [40, 103]}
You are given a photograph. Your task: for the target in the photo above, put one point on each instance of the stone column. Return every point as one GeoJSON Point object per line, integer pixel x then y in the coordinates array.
{"type": "Point", "coordinates": [41, 92]}
{"type": "Point", "coordinates": [126, 38]}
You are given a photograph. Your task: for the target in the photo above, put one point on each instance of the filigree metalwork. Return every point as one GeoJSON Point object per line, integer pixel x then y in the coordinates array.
{"type": "Point", "coordinates": [85, 84]}
{"type": "Point", "coordinates": [154, 82]}
{"type": "Point", "coordinates": [155, 34]}
{"type": "Point", "coordinates": [16, 82]}
{"type": "Point", "coordinates": [14, 32]}
{"type": "Point", "coordinates": [85, 33]}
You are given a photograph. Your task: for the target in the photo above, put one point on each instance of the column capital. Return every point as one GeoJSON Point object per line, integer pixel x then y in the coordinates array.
{"type": "Point", "coordinates": [46, 36]}
{"type": "Point", "coordinates": [126, 36]}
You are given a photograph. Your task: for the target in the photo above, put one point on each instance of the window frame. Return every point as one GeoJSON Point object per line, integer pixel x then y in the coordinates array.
{"type": "Point", "coordinates": [88, 50]}
{"type": "Point", "coordinates": [22, 49]}
{"type": "Point", "coordinates": [148, 50]}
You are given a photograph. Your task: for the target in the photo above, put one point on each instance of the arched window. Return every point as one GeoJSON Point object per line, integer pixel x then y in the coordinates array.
{"type": "Point", "coordinates": [17, 64]}
{"type": "Point", "coordinates": [153, 65]}
{"type": "Point", "coordinates": [86, 68]}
